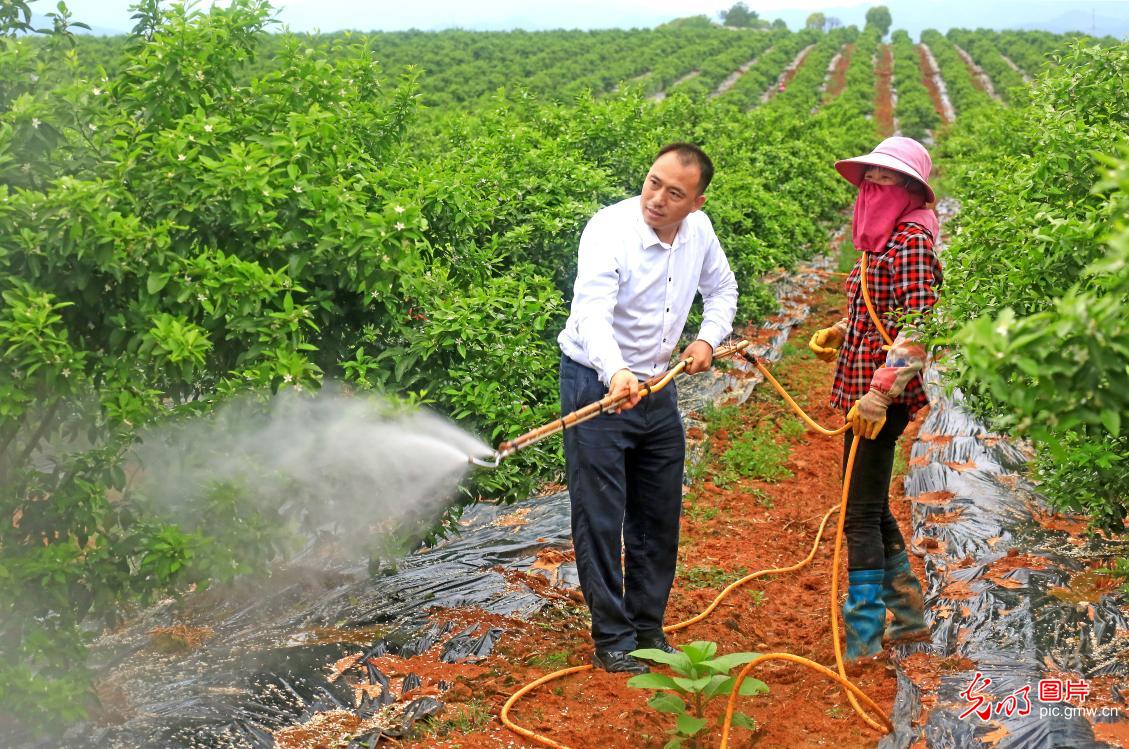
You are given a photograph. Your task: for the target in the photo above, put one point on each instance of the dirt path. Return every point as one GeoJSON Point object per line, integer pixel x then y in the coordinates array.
{"type": "Point", "coordinates": [837, 72]}
{"type": "Point", "coordinates": [731, 525]}
{"type": "Point", "coordinates": [936, 86]}
{"type": "Point", "coordinates": [732, 78]}
{"type": "Point", "coordinates": [884, 92]}
{"type": "Point", "coordinates": [979, 78]}
{"type": "Point", "coordinates": [1011, 64]}
{"type": "Point", "coordinates": [662, 94]}
{"type": "Point", "coordinates": [788, 73]}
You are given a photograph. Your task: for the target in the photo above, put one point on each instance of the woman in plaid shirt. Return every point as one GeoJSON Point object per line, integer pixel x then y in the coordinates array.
{"type": "Point", "coordinates": [878, 386]}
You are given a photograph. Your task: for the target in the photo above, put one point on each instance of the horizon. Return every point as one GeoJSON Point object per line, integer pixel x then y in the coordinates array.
{"type": "Point", "coordinates": [1103, 17]}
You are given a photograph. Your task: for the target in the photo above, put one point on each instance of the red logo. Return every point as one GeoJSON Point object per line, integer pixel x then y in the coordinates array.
{"type": "Point", "coordinates": [1016, 703]}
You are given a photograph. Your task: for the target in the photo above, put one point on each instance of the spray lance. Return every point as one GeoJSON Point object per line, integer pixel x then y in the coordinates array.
{"type": "Point", "coordinates": [607, 404]}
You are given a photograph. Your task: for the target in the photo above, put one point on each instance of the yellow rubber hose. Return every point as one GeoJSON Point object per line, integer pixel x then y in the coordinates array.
{"type": "Point", "coordinates": [870, 304]}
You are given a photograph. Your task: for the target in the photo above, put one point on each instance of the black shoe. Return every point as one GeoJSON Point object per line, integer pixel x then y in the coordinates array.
{"type": "Point", "coordinates": [618, 661]}
{"type": "Point", "coordinates": [657, 642]}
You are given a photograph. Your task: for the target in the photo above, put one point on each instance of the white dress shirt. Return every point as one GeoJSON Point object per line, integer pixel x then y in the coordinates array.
{"type": "Point", "coordinates": [633, 292]}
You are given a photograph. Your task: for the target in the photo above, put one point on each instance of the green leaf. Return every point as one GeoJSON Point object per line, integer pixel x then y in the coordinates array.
{"type": "Point", "coordinates": [718, 685]}
{"type": "Point", "coordinates": [1112, 421]}
{"type": "Point", "coordinates": [692, 685]}
{"type": "Point", "coordinates": [723, 663]}
{"type": "Point", "coordinates": [156, 282]}
{"type": "Point", "coordinates": [689, 725]}
{"type": "Point", "coordinates": [652, 681]}
{"type": "Point", "coordinates": [750, 687]}
{"type": "Point", "coordinates": [665, 702]}
{"type": "Point", "coordinates": [700, 651]}
{"type": "Point", "coordinates": [678, 661]}
{"type": "Point", "coordinates": [744, 721]}
{"type": "Point", "coordinates": [675, 743]}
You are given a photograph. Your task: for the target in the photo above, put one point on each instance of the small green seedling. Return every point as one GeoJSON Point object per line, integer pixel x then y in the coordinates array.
{"type": "Point", "coordinates": [700, 678]}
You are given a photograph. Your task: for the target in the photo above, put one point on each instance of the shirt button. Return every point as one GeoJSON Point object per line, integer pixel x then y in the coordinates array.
{"type": "Point", "coordinates": [669, 280]}
{"type": "Point", "coordinates": [668, 309]}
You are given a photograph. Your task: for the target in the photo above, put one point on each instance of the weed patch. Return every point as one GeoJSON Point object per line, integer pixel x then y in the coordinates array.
{"type": "Point", "coordinates": [754, 455]}
{"type": "Point", "coordinates": [706, 576]}
{"type": "Point", "coordinates": [467, 717]}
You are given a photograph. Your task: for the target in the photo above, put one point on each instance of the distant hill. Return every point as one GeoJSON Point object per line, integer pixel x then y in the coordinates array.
{"type": "Point", "coordinates": [43, 22]}
{"type": "Point", "coordinates": [1082, 20]}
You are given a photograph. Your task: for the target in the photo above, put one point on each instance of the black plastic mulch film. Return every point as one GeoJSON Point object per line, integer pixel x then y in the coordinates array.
{"type": "Point", "coordinates": [1019, 624]}
{"type": "Point", "coordinates": [267, 663]}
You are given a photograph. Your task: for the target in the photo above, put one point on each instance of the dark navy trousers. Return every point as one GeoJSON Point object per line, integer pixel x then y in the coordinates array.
{"type": "Point", "coordinates": [624, 480]}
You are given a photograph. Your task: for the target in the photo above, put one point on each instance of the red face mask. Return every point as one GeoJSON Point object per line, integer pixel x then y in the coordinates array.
{"type": "Point", "coordinates": [878, 209]}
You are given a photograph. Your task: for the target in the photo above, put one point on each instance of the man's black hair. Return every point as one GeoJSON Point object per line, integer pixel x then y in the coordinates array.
{"type": "Point", "coordinates": [687, 153]}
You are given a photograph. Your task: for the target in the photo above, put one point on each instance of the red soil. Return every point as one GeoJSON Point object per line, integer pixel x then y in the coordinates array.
{"type": "Point", "coordinates": [930, 83]}
{"type": "Point", "coordinates": [884, 100]}
{"type": "Point", "coordinates": [839, 75]}
{"type": "Point", "coordinates": [973, 73]}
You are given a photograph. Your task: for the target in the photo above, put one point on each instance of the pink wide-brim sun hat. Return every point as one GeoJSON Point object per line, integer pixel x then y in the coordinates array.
{"type": "Point", "coordinates": [903, 155]}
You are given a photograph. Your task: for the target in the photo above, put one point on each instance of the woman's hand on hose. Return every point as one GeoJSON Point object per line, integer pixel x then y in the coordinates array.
{"type": "Point", "coordinates": [825, 342]}
{"type": "Point", "coordinates": [868, 415]}
{"type": "Point", "coordinates": [903, 361]}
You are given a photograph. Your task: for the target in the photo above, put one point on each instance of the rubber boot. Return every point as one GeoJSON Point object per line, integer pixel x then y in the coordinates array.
{"type": "Point", "coordinates": [901, 592]}
{"type": "Point", "coordinates": [864, 614]}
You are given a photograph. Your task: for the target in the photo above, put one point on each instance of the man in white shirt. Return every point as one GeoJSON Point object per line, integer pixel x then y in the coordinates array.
{"type": "Point", "coordinates": [640, 263]}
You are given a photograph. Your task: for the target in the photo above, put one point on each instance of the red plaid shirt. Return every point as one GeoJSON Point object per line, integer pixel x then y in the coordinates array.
{"type": "Point", "coordinates": [904, 277]}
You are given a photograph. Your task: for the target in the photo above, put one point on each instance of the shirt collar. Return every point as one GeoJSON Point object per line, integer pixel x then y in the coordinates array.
{"type": "Point", "coordinates": [647, 235]}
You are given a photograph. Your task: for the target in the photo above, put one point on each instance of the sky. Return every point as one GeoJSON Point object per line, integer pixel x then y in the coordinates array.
{"type": "Point", "coordinates": [1110, 16]}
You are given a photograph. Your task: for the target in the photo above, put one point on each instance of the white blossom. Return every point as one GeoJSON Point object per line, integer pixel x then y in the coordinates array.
{"type": "Point", "coordinates": [399, 226]}
{"type": "Point", "coordinates": [35, 122]}
{"type": "Point", "coordinates": [181, 157]}
{"type": "Point", "coordinates": [399, 209]}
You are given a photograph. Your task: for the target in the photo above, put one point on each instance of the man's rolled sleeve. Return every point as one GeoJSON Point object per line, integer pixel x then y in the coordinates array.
{"type": "Point", "coordinates": [718, 288]}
